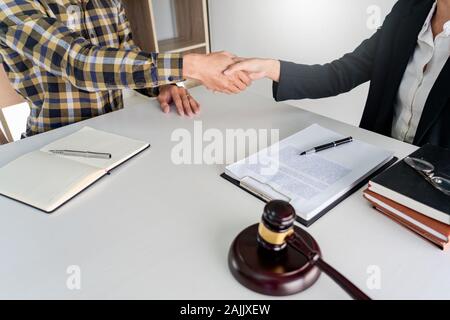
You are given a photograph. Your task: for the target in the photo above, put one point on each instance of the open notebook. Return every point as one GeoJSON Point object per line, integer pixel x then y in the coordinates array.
{"type": "Point", "coordinates": [313, 184]}
{"type": "Point", "coordinates": [46, 181]}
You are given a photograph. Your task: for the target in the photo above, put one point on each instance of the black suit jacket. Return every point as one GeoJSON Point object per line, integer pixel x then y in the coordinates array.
{"type": "Point", "coordinates": [382, 60]}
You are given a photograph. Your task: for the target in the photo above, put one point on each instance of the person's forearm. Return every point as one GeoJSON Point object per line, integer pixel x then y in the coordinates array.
{"type": "Point", "coordinates": [273, 70]}
{"type": "Point", "coordinates": [190, 66]}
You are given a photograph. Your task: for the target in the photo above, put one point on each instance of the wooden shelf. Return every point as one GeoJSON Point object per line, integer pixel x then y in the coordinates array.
{"type": "Point", "coordinates": [179, 45]}
{"type": "Point", "coordinates": [140, 15]}
{"type": "Point", "coordinates": [191, 32]}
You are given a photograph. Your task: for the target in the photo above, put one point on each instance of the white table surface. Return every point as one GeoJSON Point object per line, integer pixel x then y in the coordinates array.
{"type": "Point", "coordinates": [155, 230]}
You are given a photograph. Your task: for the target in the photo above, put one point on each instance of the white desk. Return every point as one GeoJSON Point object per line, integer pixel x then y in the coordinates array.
{"type": "Point", "coordinates": [160, 231]}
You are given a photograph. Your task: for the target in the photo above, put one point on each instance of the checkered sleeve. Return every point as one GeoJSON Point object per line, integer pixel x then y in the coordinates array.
{"type": "Point", "coordinates": [28, 30]}
{"type": "Point", "coordinates": [127, 43]}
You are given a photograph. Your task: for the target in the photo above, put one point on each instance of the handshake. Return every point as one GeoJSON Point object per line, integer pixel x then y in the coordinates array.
{"type": "Point", "coordinates": [218, 72]}
{"type": "Point", "coordinates": [227, 73]}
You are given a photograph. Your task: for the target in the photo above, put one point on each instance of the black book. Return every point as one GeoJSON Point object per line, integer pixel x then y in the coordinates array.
{"type": "Point", "coordinates": [406, 186]}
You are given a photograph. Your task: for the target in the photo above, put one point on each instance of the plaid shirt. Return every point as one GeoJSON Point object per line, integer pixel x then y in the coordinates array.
{"type": "Point", "coordinates": [71, 58]}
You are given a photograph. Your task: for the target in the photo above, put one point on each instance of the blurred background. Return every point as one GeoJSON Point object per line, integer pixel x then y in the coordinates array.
{"type": "Point", "coordinates": [303, 31]}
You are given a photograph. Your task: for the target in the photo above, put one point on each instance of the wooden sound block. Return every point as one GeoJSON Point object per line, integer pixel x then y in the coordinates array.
{"type": "Point", "coordinates": [271, 273]}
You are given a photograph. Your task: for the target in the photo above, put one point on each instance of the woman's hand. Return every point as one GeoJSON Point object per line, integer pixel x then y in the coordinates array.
{"type": "Point", "coordinates": [256, 68]}
{"type": "Point", "coordinates": [184, 102]}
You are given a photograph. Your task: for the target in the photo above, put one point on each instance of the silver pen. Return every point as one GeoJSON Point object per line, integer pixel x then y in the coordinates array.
{"type": "Point", "coordinates": [84, 154]}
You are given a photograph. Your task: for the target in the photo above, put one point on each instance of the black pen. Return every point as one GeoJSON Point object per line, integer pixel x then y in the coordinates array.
{"type": "Point", "coordinates": [327, 146]}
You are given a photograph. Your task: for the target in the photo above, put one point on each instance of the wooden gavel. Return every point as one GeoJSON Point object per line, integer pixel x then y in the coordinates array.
{"type": "Point", "coordinates": [275, 257]}
{"type": "Point", "coordinates": [276, 231]}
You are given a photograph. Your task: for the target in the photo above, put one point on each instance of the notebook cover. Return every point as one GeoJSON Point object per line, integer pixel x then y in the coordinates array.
{"type": "Point", "coordinates": [416, 229]}
{"type": "Point", "coordinates": [87, 187]}
{"type": "Point", "coordinates": [308, 223]}
{"type": "Point", "coordinates": [403, 179]}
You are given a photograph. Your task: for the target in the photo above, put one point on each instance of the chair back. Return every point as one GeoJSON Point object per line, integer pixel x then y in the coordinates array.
{"type": "Point", "coordinates": [8, 97]}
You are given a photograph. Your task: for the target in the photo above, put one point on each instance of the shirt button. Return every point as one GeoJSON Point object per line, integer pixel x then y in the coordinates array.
{"type": "Point", "coordinates": [92, 35]}
{"type": "Point", "coordinates": [170, 78]}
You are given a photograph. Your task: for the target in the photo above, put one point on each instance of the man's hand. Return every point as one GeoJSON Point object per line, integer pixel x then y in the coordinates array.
{"type": "Point", "coordinates": [256, 68]}
{"type": "Point", "coordinates": [209, 68]}
{"type": "Point", "coordinates": [185, 104]}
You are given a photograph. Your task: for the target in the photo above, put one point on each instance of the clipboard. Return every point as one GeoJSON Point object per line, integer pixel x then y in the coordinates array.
{"type": "Point", "coordinates": [308, 223]}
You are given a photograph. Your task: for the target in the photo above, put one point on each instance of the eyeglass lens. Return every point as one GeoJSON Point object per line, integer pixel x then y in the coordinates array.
{"type": "Point", "coordinates": [443, 184]}
{"type": "Point", "coordinates": [419, 164]}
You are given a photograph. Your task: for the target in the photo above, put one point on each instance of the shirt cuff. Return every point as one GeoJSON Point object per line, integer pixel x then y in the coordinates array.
{"type": "Point", "coordinates": [279, 88]}
{"type": "Point", "coordinates": [169, 68]}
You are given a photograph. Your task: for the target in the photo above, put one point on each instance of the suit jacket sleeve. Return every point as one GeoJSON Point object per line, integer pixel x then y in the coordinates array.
{"type": "Point", "coordinates": [299, 81]}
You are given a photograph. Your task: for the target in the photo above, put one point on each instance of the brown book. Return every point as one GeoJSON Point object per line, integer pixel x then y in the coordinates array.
{"type": "Point", "coordinates": [432, 230]}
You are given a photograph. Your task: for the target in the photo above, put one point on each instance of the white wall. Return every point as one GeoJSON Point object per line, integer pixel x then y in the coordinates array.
{"type": "Point", "coordinates": [303, 31]}
{"type": "Point", "coordinates": [164, 19]}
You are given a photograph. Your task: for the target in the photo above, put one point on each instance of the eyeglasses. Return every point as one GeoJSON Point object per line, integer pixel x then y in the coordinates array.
{"type": "Point", "coordinates": [426, 169]}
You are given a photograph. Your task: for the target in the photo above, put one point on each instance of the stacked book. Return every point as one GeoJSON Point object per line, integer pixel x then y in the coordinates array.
{"type": "Point", "coordinates": [407, 197]}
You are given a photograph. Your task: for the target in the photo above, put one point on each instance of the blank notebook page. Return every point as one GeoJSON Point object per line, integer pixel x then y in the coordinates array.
{"type": "Point", "coordinates": [88, 139]}
{"type": "Point", "coordinates": [43, 181]}
{"type": "Point", "coordinates": [46, 181]}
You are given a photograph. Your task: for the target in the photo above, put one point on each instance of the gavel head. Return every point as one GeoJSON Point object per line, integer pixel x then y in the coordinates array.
{"type": "Point", "coordinates": [276, 226]}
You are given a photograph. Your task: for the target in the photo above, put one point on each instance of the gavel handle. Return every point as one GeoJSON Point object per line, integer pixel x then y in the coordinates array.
{"type": "Point", "coordinates": [342, 281]}
{"type": "Point", "coordinates": [299, 244]}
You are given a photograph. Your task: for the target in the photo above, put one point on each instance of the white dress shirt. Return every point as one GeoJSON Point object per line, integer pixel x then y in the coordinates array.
{"type": "Point", "coordinates": [423, 69]}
